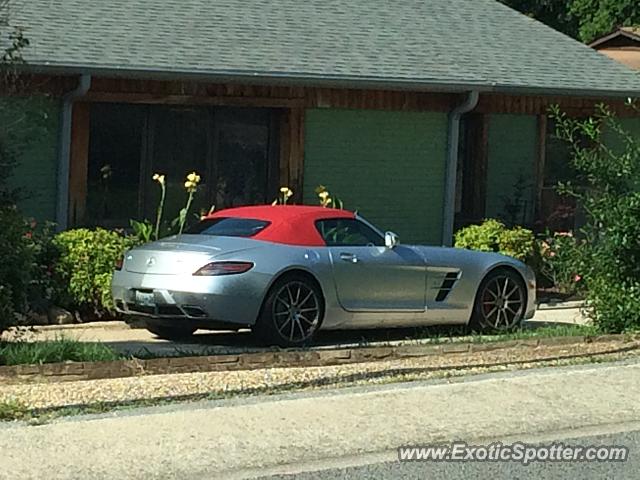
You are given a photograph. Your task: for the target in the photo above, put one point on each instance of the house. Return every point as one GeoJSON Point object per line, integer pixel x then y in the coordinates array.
{"type": "Point", "coordinates": [623, 45]}
{"type": "Point", "coordinates": [422, 115]}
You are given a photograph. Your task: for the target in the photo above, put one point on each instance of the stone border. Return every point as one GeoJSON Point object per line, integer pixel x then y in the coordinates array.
{"type": "Point", "coordinates": [73, 371]}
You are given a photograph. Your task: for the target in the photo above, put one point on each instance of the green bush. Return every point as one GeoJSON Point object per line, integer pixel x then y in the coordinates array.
{"type": "Point", "coordinates": [85, 268]}
{"type": "Point", "coordinates": [494, 236]}
{"type": "Point", "coordinates": [16, 267]}
{"type": "Point", "coordinates": [561, 263]}
{"type": "Point", "coordinates": [606, 158]}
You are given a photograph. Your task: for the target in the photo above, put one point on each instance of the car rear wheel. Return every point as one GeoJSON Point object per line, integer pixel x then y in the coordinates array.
{"type": "Point", "coordinates": [171, 332]}
{"type": "Point", "coordinates": [500, 302]}
{"type": "Point", "coordinates": [292, 312]}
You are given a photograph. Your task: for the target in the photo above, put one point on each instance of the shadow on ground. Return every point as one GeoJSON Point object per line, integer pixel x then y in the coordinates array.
{"type": "Point", "coordinates": [222, 342]}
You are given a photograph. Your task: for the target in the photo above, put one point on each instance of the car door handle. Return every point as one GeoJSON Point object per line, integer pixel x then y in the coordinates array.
{"type": "Point", "coordinates": [348, 257]}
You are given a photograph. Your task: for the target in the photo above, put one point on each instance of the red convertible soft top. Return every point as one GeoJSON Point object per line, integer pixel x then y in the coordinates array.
{"type": "Point", "coordinates": [289, 224]}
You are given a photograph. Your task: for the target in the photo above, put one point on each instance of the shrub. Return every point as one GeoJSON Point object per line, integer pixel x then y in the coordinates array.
{"type": "Point", "coordinates": [85, 268]}
{"type": "Point", "coordinates": [561, 264]}
{"type": "Point", "coordinates": [494, 236]}
{"type": "Point", "coordinates": [607, 160]}
{"type": "Point", "coordinates": [16, 267]}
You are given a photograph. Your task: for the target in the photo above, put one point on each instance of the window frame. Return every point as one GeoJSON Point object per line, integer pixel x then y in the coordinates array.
{"type": "Point", "coordinates": [359, 221]}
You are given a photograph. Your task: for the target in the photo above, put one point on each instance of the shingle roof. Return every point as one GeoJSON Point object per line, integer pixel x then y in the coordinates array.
{"type": "Point", "coordinates": [417, 44]}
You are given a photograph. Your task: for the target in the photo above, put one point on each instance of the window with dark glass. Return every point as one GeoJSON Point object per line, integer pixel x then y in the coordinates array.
{"type": "Point", "coordinates": [342, 232]}
{"type": "Point", "coordinates": [234, 150]}
{"type": "Point", "coordinates": [229, 227]}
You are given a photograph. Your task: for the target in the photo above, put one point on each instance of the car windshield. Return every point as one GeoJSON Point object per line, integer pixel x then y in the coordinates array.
{"type": "Point", "coordinates": [229, 227]}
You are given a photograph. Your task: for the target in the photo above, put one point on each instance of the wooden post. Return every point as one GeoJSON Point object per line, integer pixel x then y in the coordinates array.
{"type": "Point", "coordinates": [79, 163]}
{"type": "Point", "coordinates": [540, 164]}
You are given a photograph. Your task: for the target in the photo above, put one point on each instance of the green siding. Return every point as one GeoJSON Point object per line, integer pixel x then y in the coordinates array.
{"type": "Point", "coordinates": [512, 159]}
{"type": "Point", "coordinates": [389, 166]}
{"type": "Point", "coordinates": [615, 141]}
{"type": "Point", "coordinates": [33, 140]}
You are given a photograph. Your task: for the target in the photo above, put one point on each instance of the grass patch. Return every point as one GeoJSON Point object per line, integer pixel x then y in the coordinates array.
{"type": "Point", "coordinates": [53, 351]}
{"type": "Point", "coordinates": [448, 334]}
{"type": "Point", "coordinates": [542, 332]}
{"type": "Point", "coordinates": [13, 410]}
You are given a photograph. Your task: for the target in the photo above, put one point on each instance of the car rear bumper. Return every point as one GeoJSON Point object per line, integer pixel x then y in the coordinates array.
{"type": "Point", "coordinates": [233, 299]}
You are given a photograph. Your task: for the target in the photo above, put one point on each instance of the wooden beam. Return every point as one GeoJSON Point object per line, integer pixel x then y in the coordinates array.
{"type": "Point", "coordinates": [540, 163]}
{"type": "Point", "coordinates": [160, 99]}
{"type": "Point", "coordinates": [292, 152]}
{"type": "Point", "coordinates": [79, 163]}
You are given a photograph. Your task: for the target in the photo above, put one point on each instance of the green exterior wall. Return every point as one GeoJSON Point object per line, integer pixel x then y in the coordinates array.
{"type": "Point", "coordinates": [32, 138]}
{"type": "Point", "coordinates": [389, 166]}
{"type": "Point", "coordinates": [512, 165]}
{"type": "Point", "coordinates": [631, 125]}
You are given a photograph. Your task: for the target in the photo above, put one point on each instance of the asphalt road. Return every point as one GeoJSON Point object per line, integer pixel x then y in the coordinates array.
{"type": "Point", "coordinates": [392, 470]}
{"type": "Point", "coordinates": [357, 429]}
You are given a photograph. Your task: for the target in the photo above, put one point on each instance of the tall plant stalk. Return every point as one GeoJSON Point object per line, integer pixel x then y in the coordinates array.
{"type": "Point", "coordinates": [191, 185]}
{"type": "Point", "coordinates": [160, 179]}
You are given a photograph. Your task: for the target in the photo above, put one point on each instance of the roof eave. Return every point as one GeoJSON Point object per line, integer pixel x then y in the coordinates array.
{"type": "Point", "coordinates": [328, 81]}
{"type": "Point", "coordinates": [613, 35]}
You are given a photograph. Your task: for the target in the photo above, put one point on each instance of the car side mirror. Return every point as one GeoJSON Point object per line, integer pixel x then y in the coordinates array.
{"type": "Point", "coordinates": [391, 240]}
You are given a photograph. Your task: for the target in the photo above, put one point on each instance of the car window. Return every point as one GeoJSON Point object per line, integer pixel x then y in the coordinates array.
{"type": "Point", "coordinates": [229, 227]}
{"type": "Point", "coordinates": [339, 232]}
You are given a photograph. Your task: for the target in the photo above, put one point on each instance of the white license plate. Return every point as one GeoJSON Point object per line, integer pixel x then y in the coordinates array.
{"type": "Point", "coordinates": [145, 299]}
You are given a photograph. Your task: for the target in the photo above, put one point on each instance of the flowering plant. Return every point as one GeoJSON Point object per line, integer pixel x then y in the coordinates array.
{"type": "Point", "coordinates": [560, 263]}
{"type": "Point", "coordinates": [326, 199]}
{"type": "Point", "coordinates": [283, 198]}
{"type": "Point", "coordinates": [191, 186]}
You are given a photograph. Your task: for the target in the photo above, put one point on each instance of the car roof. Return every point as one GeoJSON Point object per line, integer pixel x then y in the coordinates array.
{"type": "Point", "coordinates": [288, 224]}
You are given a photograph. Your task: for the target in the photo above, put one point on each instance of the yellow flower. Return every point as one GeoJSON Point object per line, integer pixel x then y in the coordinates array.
{"type": "Point", "coordinates": [158, 178]}
{"type": "Point", "coordinates": [286, 192]}
{"type": "Point", "coordinates": [189, 185]}
{"type": "Point", "coordinates": [193, 177]}
{"type": "Point", "coordinates": [323, 195]}
{"type": "Point", "coordinates": [325, 202]}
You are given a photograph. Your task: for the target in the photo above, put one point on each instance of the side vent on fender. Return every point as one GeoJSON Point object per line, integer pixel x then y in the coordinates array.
{"type": "Point", "coordinates": [447, 285]}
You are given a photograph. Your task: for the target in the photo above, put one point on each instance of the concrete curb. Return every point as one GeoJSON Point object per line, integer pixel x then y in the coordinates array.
{"type": "Point", "coordinates": [576, 304]}
{"type": "Point", "coordinates": [74, 371]}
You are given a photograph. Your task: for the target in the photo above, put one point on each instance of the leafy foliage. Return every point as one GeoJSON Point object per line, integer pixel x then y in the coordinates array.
{"type": "Point", "coordinates": [85, 267]}
{"type": "Point", "coordinates": [560, 266]}
{"type": "Point", "coordinates": [15, 267]}
{"type": "Point", "coordinates": [556, 14]}
{"type": "Point", "coordinates": [607, 190]}
{"type": "Point", "coordinates": [494, 236]}
{"type": "Point", "coordinates": [581, 19]}
{"type": "Point", "coordinates": [143, 231]}
{"type": "Point", "coordinates": [599, 17]}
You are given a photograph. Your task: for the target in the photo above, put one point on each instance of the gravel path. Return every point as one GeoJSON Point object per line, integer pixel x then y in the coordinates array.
{"type": "Point", "coordinates": [46, 395]}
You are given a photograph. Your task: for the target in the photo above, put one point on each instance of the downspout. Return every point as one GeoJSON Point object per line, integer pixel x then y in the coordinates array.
{"type": "Point", "coordinates": [64, 158]}
{"type": "Point", "coordinates": [451, 169]}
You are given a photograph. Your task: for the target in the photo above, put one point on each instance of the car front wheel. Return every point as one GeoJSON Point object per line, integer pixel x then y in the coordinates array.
{"type": "Point", "coordinates": [500, 302]}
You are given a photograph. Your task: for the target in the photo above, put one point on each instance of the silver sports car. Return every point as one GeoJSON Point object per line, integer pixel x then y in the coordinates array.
{"type": "Point", "coordinates": [288, 271]}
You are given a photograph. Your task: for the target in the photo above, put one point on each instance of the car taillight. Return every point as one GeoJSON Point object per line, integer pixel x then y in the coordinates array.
{"type": "Point", "coordinates": [224, 268]}
{"type": "Point", "coordinates": [119, 263]}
